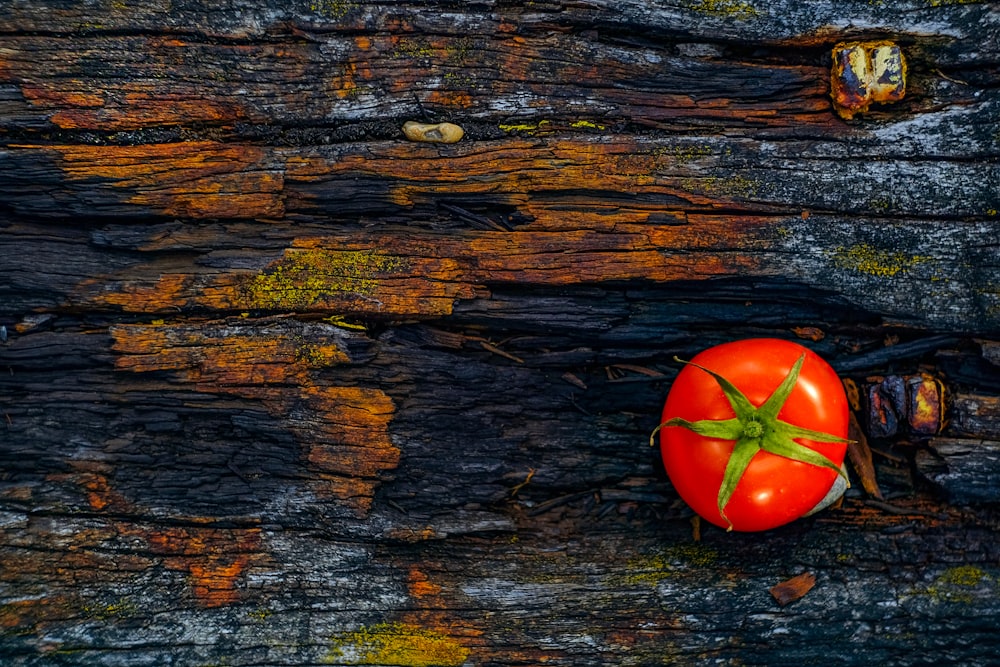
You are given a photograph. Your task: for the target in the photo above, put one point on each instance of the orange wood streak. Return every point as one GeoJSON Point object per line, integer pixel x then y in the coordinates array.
{"type": "Point", "coordinates": [214, 558]}
{"type": "Point", "coordinates": [142, 110]}
{"type": "Point", "coordinates": [195, 179]}
{"type": "Point", "coordinates": [100, 495]}
{"type": "Point", "coordinates": [48, 95]}
{"type": "Point", "coordinates": [354, 437]}
{"type": "Point", "coordinates": [216, 356]}
{"type": "Point", "coordinates": [435, 611]}
{"type": "Point", "coordinates": [166, 293]}
{"type": "Point", "coordinates": [344, 431]}
{"type": "Point", "coordinates": [458, 99]}
{"type": "Point", "coordinates": [578, 234]}
{"type": "Point", "coordinates": [36, 613]}
{"type": "Point", "coordinates": [419, 585]}
{"type": "Point", "coordinates": [170, 81]}
{"type": "Point", "coordinates": [416, 276]}
{"type": "Point", "coordinates": [208, 179]}
{"type": "Point", "coordinates": [520, 169]}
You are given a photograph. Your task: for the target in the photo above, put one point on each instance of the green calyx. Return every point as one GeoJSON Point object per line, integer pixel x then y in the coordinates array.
{"type": "Point", "coordinates": [755, 429]}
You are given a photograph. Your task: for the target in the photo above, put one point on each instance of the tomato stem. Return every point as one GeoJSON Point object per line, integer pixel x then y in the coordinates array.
{"type": "Point", "coordinates": [753, 429]}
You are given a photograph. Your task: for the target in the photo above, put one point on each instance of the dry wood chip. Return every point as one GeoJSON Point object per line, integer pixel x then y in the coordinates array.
{"type": "Point", "coordinates": [809, 333]}
{"type": "Point", "coordinates": [642, 370]}
{"type": "Point", "coordinates": [527, 480]}
{"type": "Point", "coordinates": [790, 590]}
{"type": "Point", "coordinates": [860, 455]}
{"type": "Point", "coordinates": [489, 347]}
{"type": "Point", "coordinates": [574, 380]}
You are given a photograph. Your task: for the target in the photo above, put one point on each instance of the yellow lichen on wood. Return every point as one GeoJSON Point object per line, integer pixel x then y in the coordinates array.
{"type": "Point", "coordinates": [308, 277]}
{"type": "Point", "coordinates": [961, 585]}
{"type": "Point", "coordinates": [867, 259]}
{"type": "Point", "coordinates": [734, 8]}
{"type": "Point", "coordinates": [964, 575]}
{"type": "Point", "coordinates": [331, 9]}
{"type": "Point", "coordinates": [397, 644]}
{"type": "Point", "coordinates": [528, 128]}
{"type": "Point", "coordinates": [653, 569]}
{"type": "Point", "coordinates": [588, 124]}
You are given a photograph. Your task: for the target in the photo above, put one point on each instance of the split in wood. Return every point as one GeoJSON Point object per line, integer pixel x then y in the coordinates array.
{"type": "Point", "coordinates": [619, 373]}
{"type": "Point", "coordinates": [866, 73]}
{"type": "Point", "coordinates": [478, 221]}
{"type": "Point", "coordinates": [893, 353]}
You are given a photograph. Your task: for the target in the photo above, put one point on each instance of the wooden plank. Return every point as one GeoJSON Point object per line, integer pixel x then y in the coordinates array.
{"type": "Point", "coordinates": [280, 387]}
{"type": "Point", "coordinates": [906, 275]}
{"type": "Point", "coordinates": [965, 30]}
{"type": "Point", "coordinates": [211, 179]}
{"type": "Point", "coordinates": [386, 69]}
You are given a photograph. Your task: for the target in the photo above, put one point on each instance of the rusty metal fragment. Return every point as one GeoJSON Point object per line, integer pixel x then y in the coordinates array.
{"type": "Point", "coordinates": [926, 404]}
{"type": "Point", "coordinates": [886, 405]}
{"type": "Point", "coordinates": [897, 403]}
{"type": "Point", "coordinates": [866, 73]}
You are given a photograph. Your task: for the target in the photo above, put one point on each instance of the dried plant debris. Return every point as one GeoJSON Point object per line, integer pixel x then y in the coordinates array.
{"type": "Point", "coordinates": [790, 590]}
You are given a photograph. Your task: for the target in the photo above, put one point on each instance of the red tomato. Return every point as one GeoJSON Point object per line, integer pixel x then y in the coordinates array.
{"type": "Point", "coordinates": [773, 489]}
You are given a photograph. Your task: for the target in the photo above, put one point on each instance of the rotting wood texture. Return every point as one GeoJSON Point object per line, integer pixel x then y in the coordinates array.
{"type": "Point", "coordinates": [281, 387]}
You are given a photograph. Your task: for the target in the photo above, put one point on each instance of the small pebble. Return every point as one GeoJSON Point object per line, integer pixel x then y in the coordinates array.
{"type": "Point", "coordinates": [441, 133]}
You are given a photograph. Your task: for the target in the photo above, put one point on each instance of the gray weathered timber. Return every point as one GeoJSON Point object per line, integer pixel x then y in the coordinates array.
{"type": "Point", "coordinates": [279, 387]}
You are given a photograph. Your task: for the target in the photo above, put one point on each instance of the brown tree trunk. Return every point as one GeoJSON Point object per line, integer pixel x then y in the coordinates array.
{"type": "Point", "coordinates": [281, 387]}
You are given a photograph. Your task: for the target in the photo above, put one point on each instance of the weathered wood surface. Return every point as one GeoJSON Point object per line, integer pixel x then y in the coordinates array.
{"type": "Point", "coordinates": [281, 388]}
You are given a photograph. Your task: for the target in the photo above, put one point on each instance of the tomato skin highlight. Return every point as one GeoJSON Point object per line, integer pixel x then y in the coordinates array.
{"type": "Point", "coordinates": [774, 490]}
